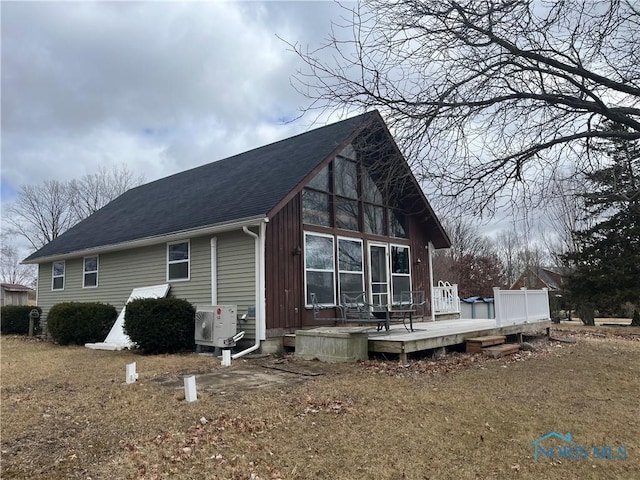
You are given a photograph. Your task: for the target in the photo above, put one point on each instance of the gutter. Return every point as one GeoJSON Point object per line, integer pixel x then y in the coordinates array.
{"type": "Point", "coordinates": [261, 326]}
{"type": "Point", "coordinates": [154, 240]}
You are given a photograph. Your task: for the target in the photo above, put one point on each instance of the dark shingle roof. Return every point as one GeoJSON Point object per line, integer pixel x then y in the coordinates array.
{"type": "Point", "coordinates": [243, 186]}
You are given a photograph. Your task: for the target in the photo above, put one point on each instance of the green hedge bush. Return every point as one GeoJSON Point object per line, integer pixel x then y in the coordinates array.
{"type": "Point", "coordinates": [160, 325]}
{"type": "Point", "coordinates": [15, 319]}
{"type": "Point", "coordinates": [80, 323]}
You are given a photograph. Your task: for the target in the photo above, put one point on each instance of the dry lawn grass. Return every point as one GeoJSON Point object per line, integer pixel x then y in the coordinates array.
{"type": "Point", "coordinates": [66, 413]}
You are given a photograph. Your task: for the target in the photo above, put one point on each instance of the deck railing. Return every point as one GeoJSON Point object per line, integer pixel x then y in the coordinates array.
{"type": "Point", "coordinates": [515, 307]}
{"type": "Point", "coordinates": [445, 298]}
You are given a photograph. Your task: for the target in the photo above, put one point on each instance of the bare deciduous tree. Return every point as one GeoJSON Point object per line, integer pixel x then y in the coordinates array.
{"type": "Point", "coordinates": [509, 245]}
{"type": "Point", "coordinates": [466, 243]}
{"type": "Point", "coordinates": [41, 213]}
{"type": "Point", "coordinates": [485, 97]}
{"type": "Point", "coordinates": [565, 215]}
{"type": "Point", "coordinates": [94, 191]}
{"type": "Point", "coordinates": [11, 270]}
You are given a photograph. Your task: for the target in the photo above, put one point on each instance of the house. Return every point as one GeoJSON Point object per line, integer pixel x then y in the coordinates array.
{"type": "Point", "coordinates": [539, 277]}
{"type": "Point", "coordinates": [14, 294]}
{"type": "Point", "coordinates": [330, 210]}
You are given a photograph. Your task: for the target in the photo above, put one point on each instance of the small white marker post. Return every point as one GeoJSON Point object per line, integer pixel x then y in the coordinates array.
{"type": "Point", "coordinates": [226, 357]}
{"type": "Point", "coordinates": [190, 394]}
{"type": "Point", "coordinates": [131, 376]}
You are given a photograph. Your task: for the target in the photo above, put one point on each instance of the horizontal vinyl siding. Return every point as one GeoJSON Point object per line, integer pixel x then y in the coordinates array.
{"type": "Point", "coordinates": [120, 272]}
{"type": "Point", "coordinates": [237, 275]}
{"type": "Point", "coordinates": [198, 289]}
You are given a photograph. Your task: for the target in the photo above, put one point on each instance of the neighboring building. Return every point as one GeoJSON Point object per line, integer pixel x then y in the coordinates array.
{"type": "Point", "coordinates": [540, 277]}
{"type": "Point", "coordinates": [14, 294]}
{"type": "Point", "coordinates": [334, 209]}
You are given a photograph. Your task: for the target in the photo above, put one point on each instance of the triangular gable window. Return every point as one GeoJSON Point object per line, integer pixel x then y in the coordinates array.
{"type": "Point", "coordinates": [344, 195]}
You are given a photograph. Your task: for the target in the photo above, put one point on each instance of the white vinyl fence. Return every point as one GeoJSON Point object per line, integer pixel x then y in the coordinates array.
{"type": "Point", "coordinates": [445, 299]}
{"type": "Point", "coordinates": [515, 307]}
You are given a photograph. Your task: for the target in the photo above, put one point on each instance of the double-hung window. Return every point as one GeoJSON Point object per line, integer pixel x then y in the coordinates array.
{"type": "Point", "coordinates": [178, 256]}
{"type": "Point", "coordinates": [57, 271]}
{"type": "Point", "coordinates": [90, 276]}
{"type": "Point", "coordinates": [319, 269]}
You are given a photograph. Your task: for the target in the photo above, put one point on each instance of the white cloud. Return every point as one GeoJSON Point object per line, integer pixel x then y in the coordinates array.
{"type": "Point", "coordinates": [159, 86]}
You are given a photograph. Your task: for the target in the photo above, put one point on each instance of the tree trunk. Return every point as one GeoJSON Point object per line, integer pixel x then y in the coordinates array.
{"type": "Point", "coordinates": [636, 319]}
{"type": "Point", "coordinates": [586, 314]}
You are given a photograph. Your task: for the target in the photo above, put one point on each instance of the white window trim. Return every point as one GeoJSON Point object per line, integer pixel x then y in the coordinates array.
{"type": "Point", "coordinates": [173, 262]}
{"type": "Point", "coordinates": [337, 261]}
{"type": "Point", "coordinates": [54, 276]}
{"type": "Point", "coordinates": [391, 274]}
{"type": "Point", "coordinates": [387, 248]}
{"type": "Point", "coordinates": [333, 271]}
{"type": "Point", "coordinates": [85, 272]}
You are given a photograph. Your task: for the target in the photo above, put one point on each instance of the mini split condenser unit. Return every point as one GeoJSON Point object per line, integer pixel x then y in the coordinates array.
{"type": "Point", "coordinates": [216, 325]}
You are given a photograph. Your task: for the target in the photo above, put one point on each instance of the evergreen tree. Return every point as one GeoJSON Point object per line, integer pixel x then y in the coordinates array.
{"type": "Point", "coordinates": [606, 267]}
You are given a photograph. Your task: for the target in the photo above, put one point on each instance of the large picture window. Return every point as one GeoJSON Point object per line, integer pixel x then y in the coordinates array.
{"type": "Point", "coordinates": [319, 268]}
{"type": "Point", "coordinates": [57, 271]}
{"type": "Point", "coordinates": [397, 224]}
{"type": "Point", "coordinates": [400, 271]}
{"type": "Point", "coordinates": [90, 274]}
{"type": "Point", "coordinates": [350, 270]}
{"type": "Point", "coordinates": [346, 175]}
{"type": "Point", "coordinates": [316, 208]}
{"type": "Point", "coordinates": [374, 219]}
{"type": "Point", "coordinates": [178, 261]}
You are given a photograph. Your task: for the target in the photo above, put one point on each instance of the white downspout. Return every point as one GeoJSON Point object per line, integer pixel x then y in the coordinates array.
{"type": "Point", "coordinates": [260, 282]}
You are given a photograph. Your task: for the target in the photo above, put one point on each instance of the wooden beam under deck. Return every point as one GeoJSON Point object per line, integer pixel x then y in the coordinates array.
{"type": "Point", "coordinates": [430, 335]}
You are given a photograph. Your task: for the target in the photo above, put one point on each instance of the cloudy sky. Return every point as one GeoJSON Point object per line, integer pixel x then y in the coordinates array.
{"type": "Point", "coordinates": [159, 86]}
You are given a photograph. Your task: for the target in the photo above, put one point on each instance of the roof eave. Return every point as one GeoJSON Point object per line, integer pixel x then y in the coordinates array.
{"type": "Point", "coordinates": [154, 240]}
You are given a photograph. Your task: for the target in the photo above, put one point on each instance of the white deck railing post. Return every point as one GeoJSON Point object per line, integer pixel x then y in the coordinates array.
{"type": "Point", "coordinates": [497, 307]}
{"type": "Point", "coordinates": [526, 303]}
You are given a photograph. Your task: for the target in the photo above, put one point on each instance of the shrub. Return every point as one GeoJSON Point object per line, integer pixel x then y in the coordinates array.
{"type": "Point", "coordinates": [160, 325]}
{"type": "Point", "coordinates": [15, 319]}
{"type": "Point", "coordinates": [80, 323]}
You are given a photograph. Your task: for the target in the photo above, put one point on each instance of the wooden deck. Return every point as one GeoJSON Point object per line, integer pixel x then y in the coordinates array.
{"type": "Point", "coordinates": [430, 335]}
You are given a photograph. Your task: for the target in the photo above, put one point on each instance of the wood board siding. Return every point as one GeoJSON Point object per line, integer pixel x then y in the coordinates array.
{"type": "Point", "coordinates": [284, 270]}
{"type": "Point", "coordinates": [236, 269]}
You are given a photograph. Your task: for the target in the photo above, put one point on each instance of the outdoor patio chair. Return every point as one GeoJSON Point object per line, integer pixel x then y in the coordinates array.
{"type": "Point", "coordinates": [415, 300]}
{"type": "Point", "coordinates": [317, 308]}
{"type": "Point", "coordinates": [356, 309]}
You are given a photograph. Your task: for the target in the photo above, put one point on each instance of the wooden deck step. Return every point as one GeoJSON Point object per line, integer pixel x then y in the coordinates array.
{"type": "Point", "coordinates": [476, 344]}
{"type": "Point", "coordinates": [498, 351]}
{"type": "Point", "coordinates": [289, 340]}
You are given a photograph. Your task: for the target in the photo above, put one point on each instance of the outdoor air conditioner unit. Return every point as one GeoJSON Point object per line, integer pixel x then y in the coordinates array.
{"type": "Point", "coordinates": [216, 325]}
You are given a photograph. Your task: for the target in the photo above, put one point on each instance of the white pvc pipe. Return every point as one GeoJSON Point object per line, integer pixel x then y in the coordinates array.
{"type": "Point", "coordinates": [226, 357]}
{"type": "Point", "coordinates": [190, 391]}
{"type": "Point", "coordinates": [130, 373]}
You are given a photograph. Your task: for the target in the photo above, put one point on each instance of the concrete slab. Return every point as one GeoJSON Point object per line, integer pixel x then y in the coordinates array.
{"type": "Point", "coordinates": [333, 344]}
